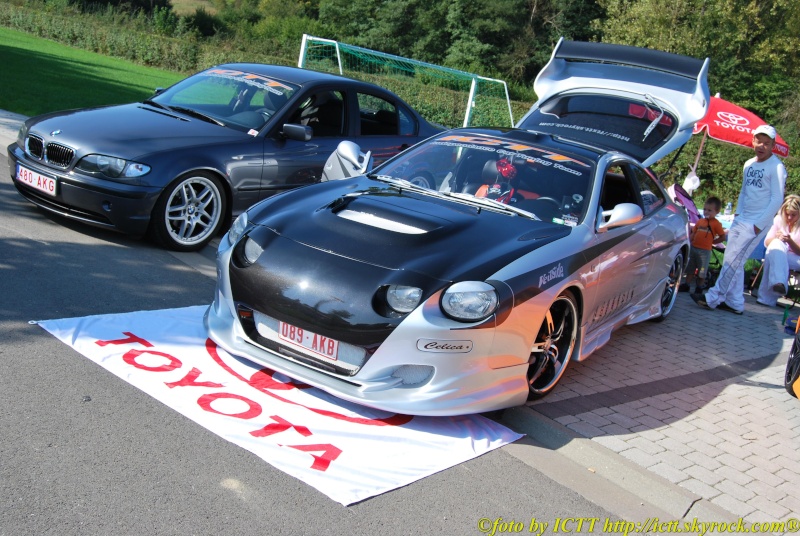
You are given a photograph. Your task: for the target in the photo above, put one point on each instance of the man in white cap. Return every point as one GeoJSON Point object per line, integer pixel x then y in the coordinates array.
{"type": "Point", "coordinates": [759, 200]}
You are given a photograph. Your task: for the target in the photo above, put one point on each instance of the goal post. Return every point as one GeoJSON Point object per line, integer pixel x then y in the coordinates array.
{"type": "Point", "coordinates": [460, 97]}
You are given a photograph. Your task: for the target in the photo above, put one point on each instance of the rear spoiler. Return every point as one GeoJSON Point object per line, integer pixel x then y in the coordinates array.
{"type": "Point", "coordinates": [627, 55]}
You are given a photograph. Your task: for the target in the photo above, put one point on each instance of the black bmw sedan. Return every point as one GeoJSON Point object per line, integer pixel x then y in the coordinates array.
{"type": "Point", "coordinates": [180, 165]}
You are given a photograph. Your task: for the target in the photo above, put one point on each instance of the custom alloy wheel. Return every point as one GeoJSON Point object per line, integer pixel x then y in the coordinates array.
{"type": "Point", "coordinates": [424, 180]}
{"type": "Point", "coordinates": [671, 287]}
{"type": "Point", "coordinates": [553, 347]}
{"type": "Point", "coordinates": [790, 379]}
{"type": "Point", "coordinates": [189, 213]}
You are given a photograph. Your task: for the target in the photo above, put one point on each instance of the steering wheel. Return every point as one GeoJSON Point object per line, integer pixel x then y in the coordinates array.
{"type": "Point", "coordinates": [549, 199]}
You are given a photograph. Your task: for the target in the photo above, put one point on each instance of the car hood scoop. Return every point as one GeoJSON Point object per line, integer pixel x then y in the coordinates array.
{"type": "Point", "coordinates": [382, 225]}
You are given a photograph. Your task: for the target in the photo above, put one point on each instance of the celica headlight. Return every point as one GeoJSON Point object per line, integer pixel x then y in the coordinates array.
{"type": "Point", "coordinates": [469, 301]}
{"type": "Point", "coordinates": [237, 229]}
{"type": "Point", "coordinates": [403, 299]}
{"type": "Point", "coordinates": [112, 166]}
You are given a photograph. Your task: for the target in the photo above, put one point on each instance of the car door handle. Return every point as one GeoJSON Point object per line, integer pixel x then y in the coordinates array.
{"type": "Point", "coordinates": [650, 241]}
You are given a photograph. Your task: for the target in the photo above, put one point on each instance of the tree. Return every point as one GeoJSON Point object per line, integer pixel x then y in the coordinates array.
{"type": "Point", "coordinates": [753, 63]}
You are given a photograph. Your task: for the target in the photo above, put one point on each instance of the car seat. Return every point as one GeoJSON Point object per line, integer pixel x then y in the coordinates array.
{"type": "Point", "coordinates": [324, 115]}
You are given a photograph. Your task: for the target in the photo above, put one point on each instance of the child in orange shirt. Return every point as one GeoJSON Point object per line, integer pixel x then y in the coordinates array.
{"type": "Point", "coordinates": [705, 233]}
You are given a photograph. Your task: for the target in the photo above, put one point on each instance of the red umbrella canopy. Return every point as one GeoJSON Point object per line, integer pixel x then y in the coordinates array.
{"type": "Point", "coordinates": [733, 124]}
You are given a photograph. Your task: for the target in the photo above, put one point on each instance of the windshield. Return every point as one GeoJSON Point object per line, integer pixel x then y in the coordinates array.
{"type": "Point", "coordinates": [488, 170]}
{"type": "Point", "coordinates": [236, 99]}
{"type": "Point", "coordinates": [637, 128]}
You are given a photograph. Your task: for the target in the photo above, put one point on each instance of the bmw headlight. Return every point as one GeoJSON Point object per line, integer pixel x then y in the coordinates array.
{"type": "Point", "coordinates": [112, 166]}
{"type": "Point", "coordinates": [403, 299]}
{"type": "Point", "coordinates": [469, 301]}
{"type": "Point", "coordinates": [237, 229]}
{"type": "Point", "coordinates": [22, 134]}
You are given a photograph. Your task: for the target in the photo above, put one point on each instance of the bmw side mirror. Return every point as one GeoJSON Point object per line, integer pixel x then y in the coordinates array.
{"type": "Point", "coordinates": [622, 214]}
{"type": "Point", "coordinates": [297, 132]}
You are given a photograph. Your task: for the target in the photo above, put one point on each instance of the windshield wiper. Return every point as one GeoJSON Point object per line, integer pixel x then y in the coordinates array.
{"type": "Point", "coordinates": [402, 183]}
{"type": "Point", "coordinates": [655, 121]}
{"type": "Point", "coordinates": [155, 104]}
{"type": "Point", "coordinates": [199, 115]}
{"type": "Point", "coordinates": [492, 204]}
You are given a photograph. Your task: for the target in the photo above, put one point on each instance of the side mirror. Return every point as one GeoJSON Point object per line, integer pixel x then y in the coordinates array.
{"type": "Point", "coordinates": [622, 214]}
{"type": "Point", "coordinates": [347, 161]}
{"type": "Point", "coordinates": [297, 132]}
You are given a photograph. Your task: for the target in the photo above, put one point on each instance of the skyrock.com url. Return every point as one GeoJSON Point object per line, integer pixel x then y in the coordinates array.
{"type": "Point", "coordinates": [652, 525]}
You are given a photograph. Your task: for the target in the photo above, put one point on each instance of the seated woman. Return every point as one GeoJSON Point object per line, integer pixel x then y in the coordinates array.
{"type": "Point", "coordinates": [783, 252]}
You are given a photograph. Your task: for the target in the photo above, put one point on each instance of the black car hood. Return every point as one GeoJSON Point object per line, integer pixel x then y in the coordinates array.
{"type": "Point", "coordinates": [129, 131]}
{"type": "Point", "coordinates": [438, 238]}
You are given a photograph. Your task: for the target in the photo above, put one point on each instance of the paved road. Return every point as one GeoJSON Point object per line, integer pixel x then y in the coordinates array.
{"type": "Point", "coordinates": [689, 415]}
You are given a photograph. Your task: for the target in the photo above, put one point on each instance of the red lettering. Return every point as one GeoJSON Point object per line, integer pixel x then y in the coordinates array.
{"type": "Point", "coordinates": [321, 463]}
{"type": "Point", "coordinates": [189, 381]}
{"type": "Point", "coordinates": [280, 425]}
{"type": "Point", "coordinates": [264, 379]}
{"type": "Point", "coordinates": [130, 340]}
{"type": "Point", "coordinates": [131, 355]}
{"type": "Point", "coordinates": [393, 420]}
{"type": "Point", "coordinates": [253, 411]}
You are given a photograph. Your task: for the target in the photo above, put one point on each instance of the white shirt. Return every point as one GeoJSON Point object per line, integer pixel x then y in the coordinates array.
{"type": "Point", "coordinates": [761, 195]}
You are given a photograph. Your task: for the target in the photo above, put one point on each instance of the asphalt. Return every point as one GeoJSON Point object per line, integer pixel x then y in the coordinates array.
{"type": "Point", "coordinates": [684, 419]}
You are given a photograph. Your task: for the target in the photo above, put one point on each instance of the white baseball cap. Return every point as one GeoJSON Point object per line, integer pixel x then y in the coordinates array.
{"type": "Point", "coordinates": [766, 129]}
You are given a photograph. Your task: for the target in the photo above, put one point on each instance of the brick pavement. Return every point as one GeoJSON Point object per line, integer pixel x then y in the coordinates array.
{"type": "Point", "coordinates": [698, 400]}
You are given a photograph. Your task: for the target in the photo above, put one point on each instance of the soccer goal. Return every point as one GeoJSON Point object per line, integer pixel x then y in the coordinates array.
{"type": "Point", "coordinates": [460, 97]}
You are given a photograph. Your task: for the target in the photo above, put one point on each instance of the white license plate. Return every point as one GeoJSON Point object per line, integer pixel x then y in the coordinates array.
{"type": "Point", "coordinates": [317, 344]}
{"type": "Point", "coordinates": [35, 180]}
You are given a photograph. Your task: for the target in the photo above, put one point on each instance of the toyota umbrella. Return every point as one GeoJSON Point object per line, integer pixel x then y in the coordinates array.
{"type": "Point", "coordinates": [730, 123]}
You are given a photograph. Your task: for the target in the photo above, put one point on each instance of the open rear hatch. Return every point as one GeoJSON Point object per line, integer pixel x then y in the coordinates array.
{"type": "Point", "coordinates": [638, 101]}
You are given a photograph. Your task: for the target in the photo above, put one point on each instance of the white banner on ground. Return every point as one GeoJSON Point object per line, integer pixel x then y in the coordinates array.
{"type": "Point", "coordinates": [346, 451]}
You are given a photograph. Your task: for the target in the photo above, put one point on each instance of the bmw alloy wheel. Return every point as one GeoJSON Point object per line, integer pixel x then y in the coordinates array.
{"type": "Point", "coordinates": [189, 212]}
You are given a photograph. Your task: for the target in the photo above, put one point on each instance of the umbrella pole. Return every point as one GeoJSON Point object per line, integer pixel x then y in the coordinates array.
{"type": "Point", "coordinates": [700, 150]}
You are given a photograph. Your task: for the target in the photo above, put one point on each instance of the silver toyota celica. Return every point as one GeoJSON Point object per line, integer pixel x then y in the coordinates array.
{"type": "Point", "coordinates": [466, 273]}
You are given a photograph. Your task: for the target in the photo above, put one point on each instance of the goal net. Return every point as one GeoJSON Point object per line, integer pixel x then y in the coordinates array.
{"type": "Point", "coordinates": [458, 97]}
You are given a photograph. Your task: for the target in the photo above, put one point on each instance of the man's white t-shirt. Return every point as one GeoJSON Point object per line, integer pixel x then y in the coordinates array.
{"type": "Point", "coordinates": [761, 195]}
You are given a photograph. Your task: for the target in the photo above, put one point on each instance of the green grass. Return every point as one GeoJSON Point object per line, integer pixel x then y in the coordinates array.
{"type": "Point", "coordinates": [188, 7]}
{"type": "Point", "coordinates": [43, 76]}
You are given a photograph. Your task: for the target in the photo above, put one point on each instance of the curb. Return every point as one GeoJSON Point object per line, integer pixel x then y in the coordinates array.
{"type": "Point", "coordinates": [603, 476]}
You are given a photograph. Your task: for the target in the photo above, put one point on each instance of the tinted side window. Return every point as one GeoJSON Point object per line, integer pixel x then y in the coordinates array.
{"type": "Point", "coordinates": [408, 124]}
{"type": "Point", "coordinates": [323, 112]}
{"type": "Point", "coordinates": [652, 195]}
{"type": "Point", "coordinates": [378, 116]}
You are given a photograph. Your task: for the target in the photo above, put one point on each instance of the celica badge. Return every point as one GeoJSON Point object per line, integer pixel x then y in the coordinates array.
{"type": "Point", "coordinates": [443, 346]}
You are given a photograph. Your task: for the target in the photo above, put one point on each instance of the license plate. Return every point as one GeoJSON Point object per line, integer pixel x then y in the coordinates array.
{"type": "Point", "coordinates": [317, 344]}
{"type": "Point", "coordinates": [35, 180]}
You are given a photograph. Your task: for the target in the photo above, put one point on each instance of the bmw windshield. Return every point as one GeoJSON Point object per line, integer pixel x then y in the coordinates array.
{"type": "Point", "coordinates": [231, 98]}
